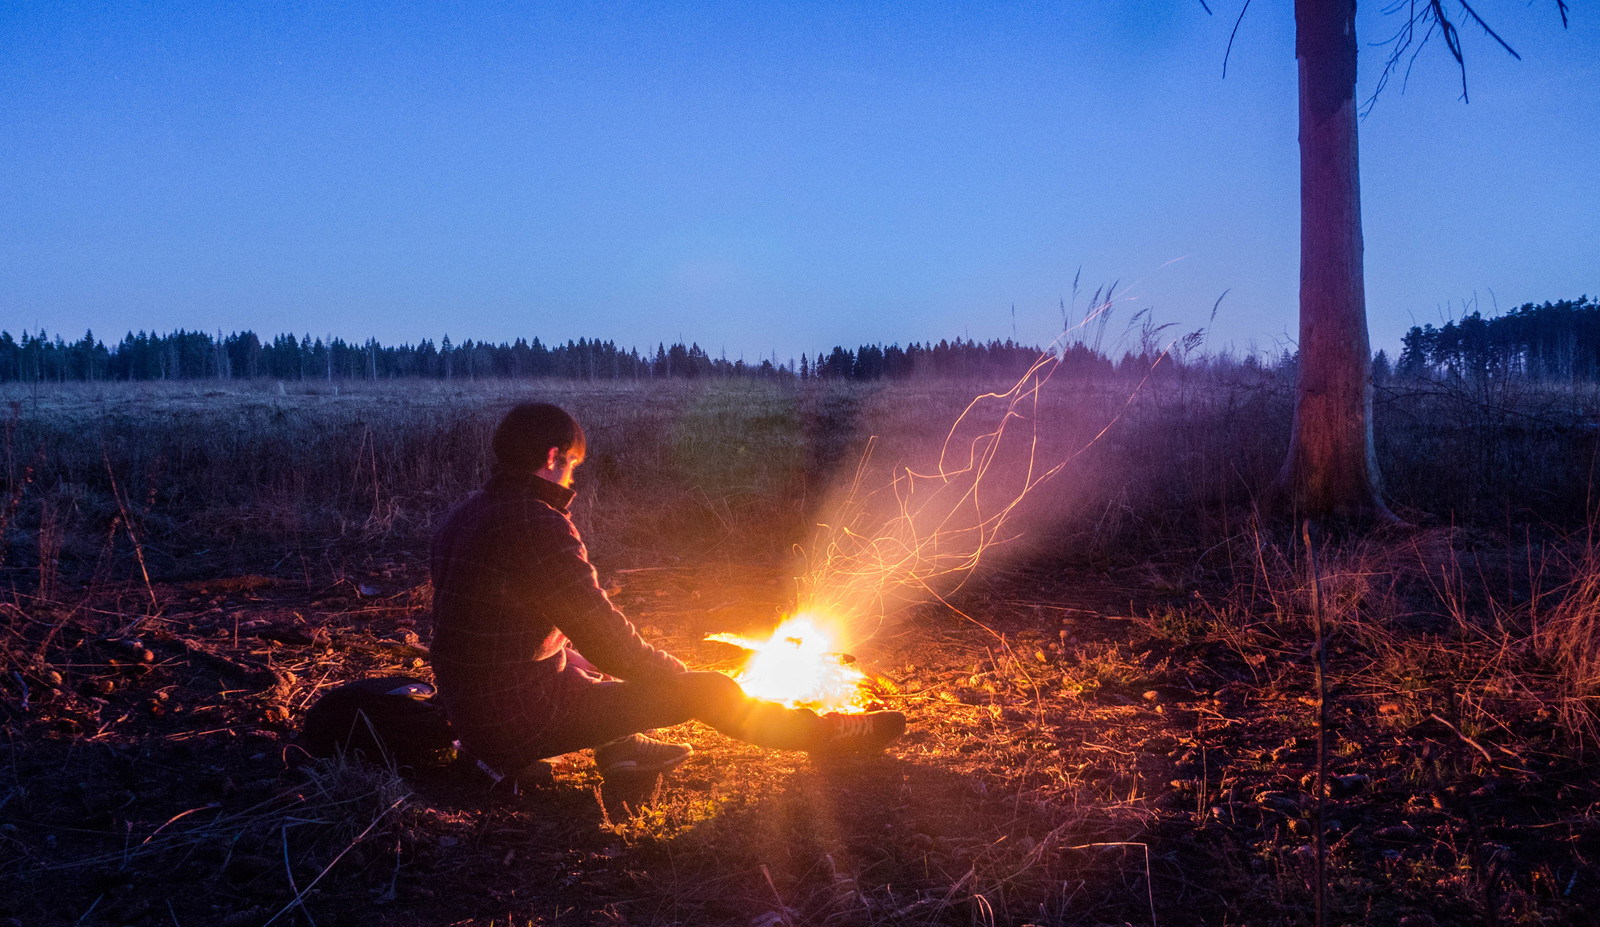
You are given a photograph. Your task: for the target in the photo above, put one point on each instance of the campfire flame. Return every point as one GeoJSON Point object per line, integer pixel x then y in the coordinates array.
{"type": "Point", "coordinates": [799, 666]}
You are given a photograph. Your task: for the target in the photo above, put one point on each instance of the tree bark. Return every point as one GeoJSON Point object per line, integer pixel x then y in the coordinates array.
{"type": "Point", "coordinates": [1331, 469]}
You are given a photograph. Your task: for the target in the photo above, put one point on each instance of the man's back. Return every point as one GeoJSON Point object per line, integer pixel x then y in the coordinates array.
{"type": "Point", "coordinates": [511, 583]}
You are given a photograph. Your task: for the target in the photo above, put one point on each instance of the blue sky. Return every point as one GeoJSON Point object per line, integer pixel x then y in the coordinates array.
{"type": "Point", "coordinates": [754, 177]}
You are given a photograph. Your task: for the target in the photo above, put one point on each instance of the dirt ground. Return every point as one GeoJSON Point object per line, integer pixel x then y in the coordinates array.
{"type": "Point", "coordinates": [1078, 753]}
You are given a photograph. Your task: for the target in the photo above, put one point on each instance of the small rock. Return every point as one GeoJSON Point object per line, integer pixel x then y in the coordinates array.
{"type": "Point", "coordinates": [969, 696]}
{"type": "Point", "coordinates": [1279, 801]}
{"type": "Point", "coordinates": [1349, 784]}
{"type": "Point", "coordinates": [1228, 812]}
{"type": "Point", "coordinates": [1284, 752]}
{"type": "Point", "coordinates": [100, 687]}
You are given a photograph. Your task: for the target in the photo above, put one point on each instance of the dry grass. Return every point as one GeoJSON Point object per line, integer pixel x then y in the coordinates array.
{"type": "Point", "coordinates": [1119, 733]}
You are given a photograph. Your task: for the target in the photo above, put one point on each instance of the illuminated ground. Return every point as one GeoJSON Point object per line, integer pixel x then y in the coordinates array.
{"type": "Point", "coordinates": [1090, 765]}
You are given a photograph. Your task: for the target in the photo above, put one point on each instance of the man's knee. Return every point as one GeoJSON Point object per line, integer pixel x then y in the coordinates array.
{"type": "Point", "coordinates": [710, 691]}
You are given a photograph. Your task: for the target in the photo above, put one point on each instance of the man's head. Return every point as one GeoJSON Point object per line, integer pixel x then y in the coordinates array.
{"type": "Point", "coordinates": [541, 438]}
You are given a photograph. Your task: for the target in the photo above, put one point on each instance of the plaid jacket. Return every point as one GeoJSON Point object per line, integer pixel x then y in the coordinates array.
{"type": "Point", "coordinates": [511, 585]}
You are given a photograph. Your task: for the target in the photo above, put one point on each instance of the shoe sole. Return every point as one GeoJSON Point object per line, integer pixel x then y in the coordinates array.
{"type": "Point", "coordinates": [632, 767]}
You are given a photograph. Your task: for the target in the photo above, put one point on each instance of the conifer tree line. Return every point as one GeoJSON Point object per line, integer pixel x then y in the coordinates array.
{"type": "Point", "coordinates": [1557, 341]}
{"type": "Point", "coordinates": [191, 355]}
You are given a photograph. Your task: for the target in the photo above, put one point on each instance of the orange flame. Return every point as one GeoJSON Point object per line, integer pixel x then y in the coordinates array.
{"type": "Point", "coordinates": [798, 666]}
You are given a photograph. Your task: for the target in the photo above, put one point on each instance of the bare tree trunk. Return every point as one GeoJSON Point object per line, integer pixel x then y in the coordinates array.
{"type": "Point", "coordinates": [1331, 468]}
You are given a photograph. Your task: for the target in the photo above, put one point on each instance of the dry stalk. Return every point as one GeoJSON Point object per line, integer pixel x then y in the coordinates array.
{"type": "Point", "coordinates": [127, 524]}
{"type": "Point", "coordinates": [1322, 722]}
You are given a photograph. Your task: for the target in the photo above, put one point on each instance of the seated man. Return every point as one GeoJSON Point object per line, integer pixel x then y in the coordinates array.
{"type": "Point", "coordinates": [531, 658]}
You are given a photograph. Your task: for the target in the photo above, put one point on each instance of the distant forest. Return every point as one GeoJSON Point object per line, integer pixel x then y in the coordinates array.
{"type": "Point", "coordinates": [186, 355]}
{"type": "Point", "coordinates": [1552, 341]}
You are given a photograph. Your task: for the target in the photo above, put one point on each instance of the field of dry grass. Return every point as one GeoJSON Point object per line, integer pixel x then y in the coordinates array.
{"type": "Point", "coordinates": [1113, 722]}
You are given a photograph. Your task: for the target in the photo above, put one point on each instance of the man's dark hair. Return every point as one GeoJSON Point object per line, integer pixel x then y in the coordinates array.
{"type": "Point", "coordinates": [528, 432]}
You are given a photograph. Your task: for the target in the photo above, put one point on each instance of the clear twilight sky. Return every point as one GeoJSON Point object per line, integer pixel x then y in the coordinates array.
{"type": "Point", "coordinates": [759, 177]}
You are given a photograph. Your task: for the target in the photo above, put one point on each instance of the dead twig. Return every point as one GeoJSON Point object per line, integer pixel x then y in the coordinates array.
{"type": "Point", "coordinates": [1464, 738]}
{"type": "Point", "coordinates": [783, 910]}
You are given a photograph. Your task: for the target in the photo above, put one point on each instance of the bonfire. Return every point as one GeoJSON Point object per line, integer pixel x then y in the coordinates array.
{"type": "Point", "coordinates": [799, 666]}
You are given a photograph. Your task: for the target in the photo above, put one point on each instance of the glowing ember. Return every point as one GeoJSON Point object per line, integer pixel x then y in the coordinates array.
{"type": "Point", "coordinates": [798, 666]}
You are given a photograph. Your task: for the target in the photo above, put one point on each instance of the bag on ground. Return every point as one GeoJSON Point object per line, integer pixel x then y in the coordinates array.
{"type": "Point", "coordinates": [394, 720]}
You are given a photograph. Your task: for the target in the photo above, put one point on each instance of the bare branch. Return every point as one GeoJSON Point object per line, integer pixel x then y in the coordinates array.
{"type": "Point", "coordinates": [1401, 40]}
{"type": "Point", "coordinates": [1209, 13]}
{"type": "Point", "coordinates": [1230, 38]}
{"type": "Point", "coordinates": [1492, 34]}
{"type": "Point", "coordinates": [1426, 37]}
{"type": "Point", "coordinates": [1452, 41]}
{"type": "Point", "coordinates": [1452, 38]}
{"type": "Point", "coordinates": [1431, 13]}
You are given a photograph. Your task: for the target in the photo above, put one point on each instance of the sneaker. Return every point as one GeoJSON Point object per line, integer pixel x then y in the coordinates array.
{"type": "Point", "coordinates": [638, 755]}
{"type": "Point", "coordinates": [860, 733]}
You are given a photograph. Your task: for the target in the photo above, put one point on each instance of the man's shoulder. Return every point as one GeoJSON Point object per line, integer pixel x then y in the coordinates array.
{"type": "Point", "coordinates": [496, 510]}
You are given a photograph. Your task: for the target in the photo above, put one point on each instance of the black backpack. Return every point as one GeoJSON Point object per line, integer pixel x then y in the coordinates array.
{"type": "Point", "coordinates": [393, 720]}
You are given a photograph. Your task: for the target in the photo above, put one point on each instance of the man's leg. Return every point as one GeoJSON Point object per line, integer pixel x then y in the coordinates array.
{"type": "Point", "coordinates": [601, 710]}
{"type": "Point", "coordinates": [717, 700]}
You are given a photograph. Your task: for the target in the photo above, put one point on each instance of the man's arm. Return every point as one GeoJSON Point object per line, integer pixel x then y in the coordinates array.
{"type": "Point", "coordinates": [585, 614]}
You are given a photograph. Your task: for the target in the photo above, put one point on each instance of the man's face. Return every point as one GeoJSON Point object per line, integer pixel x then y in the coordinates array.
{"type": "Point", "coordinates": [558, 467]}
